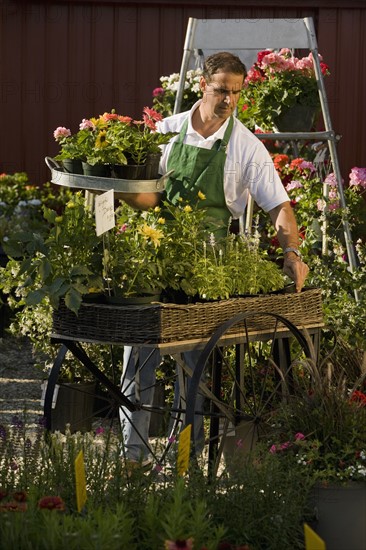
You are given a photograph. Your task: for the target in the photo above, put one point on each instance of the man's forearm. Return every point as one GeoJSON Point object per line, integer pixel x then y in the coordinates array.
{"type": "Point", "coordinates": [285, 224]}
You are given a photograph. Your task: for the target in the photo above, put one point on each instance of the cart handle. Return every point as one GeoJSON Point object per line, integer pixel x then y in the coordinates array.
{"type": "Point", "coordinates": [52, 163]}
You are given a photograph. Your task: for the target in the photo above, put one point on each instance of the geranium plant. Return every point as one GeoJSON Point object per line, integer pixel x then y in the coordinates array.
{"type": "Point", "coordinates": [276, 82]}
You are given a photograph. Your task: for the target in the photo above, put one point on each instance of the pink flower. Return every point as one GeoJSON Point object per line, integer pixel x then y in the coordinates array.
{"type": "Point", "coordinates": [86, 124]}
{"type": "Point", "coordinates": [320, 204]}
{"type": "Point", "coordinates": [99, 430]}
{"type": "Point", "coordinates": [332, 180]}
{"type": "Point", "coordinates": [294, 184]}
{"type": "Point", "coordinates": [158, 91]}
{"type": "Point", "coordinates": [61, 132]}
{"type": "Point", "coordinates": [273, 449]}
{"type": "Point", "coordinates": [306, 165]}
{"type": "Point", "coordinates": [254, 75]}
{"type": "Point", "coordinates": [150, 116]}
{"type": "Point", "coordinates": [358, 177]}
{"type": "Point", "coordinates": [299, 436]}
{"type": "Point", "coordinates": [262, 54]}
{"type": "Point", "coordinates": [285, 445]}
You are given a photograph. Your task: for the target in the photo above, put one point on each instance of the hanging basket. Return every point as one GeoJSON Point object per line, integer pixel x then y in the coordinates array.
{"type": "Point", "coordinates": [299, 118]}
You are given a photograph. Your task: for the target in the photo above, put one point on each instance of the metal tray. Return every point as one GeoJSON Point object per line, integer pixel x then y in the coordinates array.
{"type": "Point", "coordinates": [94, 183]}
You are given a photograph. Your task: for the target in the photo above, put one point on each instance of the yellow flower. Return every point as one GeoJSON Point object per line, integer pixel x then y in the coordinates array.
{"type": "Point", "coordinates": [161, 221]}
{"type": "Point", "coordinates": [70, 205]}
{"type": "Point", "coordinates": [157, 209]}
{"type": "Point", "coordinates": [187, 208]}
{"type": "Point", "coordinates": [101, 139]}
{"type": "Point", "coordinates": [155, 235]}
{"type": "Point", "coordinates": [201, 195]}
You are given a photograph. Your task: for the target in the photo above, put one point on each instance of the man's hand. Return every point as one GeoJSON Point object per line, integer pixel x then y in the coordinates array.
{"type": "Point", "coordinates": [296, 269]}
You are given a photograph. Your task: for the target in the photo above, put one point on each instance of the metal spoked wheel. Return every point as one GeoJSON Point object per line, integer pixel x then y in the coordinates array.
{"type": "Point", "coordinates": [245, 372]}
{"type": "Point", "coordinates": [98, 405]}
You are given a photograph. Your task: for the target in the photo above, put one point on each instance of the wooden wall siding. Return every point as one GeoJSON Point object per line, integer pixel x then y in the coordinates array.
{"type": "Point", "coordinates": [63, 61]}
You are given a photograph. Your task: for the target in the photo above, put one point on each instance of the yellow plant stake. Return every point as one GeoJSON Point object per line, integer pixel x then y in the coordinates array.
{"type": "Point", "coordinates": [80, 481]}
{"type": "Point", "coordinates": [312, 540]}
{"type": "Point", "coordinates": [184, 450]}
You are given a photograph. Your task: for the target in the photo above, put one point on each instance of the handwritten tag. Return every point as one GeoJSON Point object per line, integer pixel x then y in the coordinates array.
{"type": "Point", "coordinates": [312, 540]}
{"type": "Point", "coordinates": [80, 481]}
{"type": "Point", "coordinates": [104, 212]}
{"type": "Point", "coordinates": [184, 450]}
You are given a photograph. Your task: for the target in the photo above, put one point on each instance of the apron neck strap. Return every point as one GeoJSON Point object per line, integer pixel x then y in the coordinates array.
{"type": "Point", "coordinates": [219, 144]}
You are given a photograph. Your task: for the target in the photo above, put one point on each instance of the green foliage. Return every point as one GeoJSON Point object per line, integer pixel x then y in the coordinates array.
{"type": "Point", "coordinates": [261, 505]}
{"type": "Point", "coordinates": [323, 424]}
{"type": "Point", "coordinates": [61, 261]}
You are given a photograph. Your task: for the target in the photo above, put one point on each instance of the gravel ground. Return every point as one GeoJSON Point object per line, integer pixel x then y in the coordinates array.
{"type": "Point", "coordinates": [20, 381]}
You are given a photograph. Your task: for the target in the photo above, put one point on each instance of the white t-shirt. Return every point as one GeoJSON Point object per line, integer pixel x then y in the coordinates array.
{"type": "Point", "coordinates": [248, 167]}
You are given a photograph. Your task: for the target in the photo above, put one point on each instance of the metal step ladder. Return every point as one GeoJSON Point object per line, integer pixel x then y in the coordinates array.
{"type": "Point", "coordinates": [245, 38]}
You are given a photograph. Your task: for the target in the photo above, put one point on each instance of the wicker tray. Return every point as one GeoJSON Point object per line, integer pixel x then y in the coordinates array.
{"type": "Point", "coordinates": [160, 323]}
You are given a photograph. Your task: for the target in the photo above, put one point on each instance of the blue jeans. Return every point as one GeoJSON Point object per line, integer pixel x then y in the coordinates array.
{"type": "Point", "coordinates": [138, 381]}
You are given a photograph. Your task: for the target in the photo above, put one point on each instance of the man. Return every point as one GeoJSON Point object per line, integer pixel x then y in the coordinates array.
{"type": "Point", "coordinates": [216, 154]}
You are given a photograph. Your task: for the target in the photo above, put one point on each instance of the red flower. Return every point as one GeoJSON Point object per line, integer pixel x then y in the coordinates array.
{"type": "Point", "coordinates": [51, 503]}
{"type": "Point", "coordinates": [280, 161]}
{"type": "Point", "coordinates": [296, 163]}
{"type": "Point", "coordinates": [262, 54]}
{"type": "Point", "coordinates": [20, 496]}
{"type": "Point", "coordinates": [358, 397]}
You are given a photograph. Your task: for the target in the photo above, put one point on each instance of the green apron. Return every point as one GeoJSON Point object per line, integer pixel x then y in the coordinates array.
{"type": "Point", "coordinates": [197, 169]}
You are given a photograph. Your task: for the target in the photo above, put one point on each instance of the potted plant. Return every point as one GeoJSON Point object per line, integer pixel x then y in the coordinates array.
{"type": "Point", "coordinates": [112, 141]}
{"type": "Point", "coordinates": [134, 265]}
{"type": "Point", "coordinates": [323, 427]}
{"type": "Point", "coordinates": [276, 83]}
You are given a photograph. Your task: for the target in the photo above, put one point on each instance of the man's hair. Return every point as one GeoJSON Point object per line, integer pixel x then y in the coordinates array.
{"type": "Point", "coordinates": [223, 62]}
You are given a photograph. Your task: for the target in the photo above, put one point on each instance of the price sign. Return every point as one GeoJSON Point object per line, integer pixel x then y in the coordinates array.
{"type": "Point", "coordinates": [80, 481]}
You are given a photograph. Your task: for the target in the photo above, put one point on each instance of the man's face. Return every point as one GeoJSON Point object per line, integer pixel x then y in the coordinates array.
{"type": "Point", "coordinates": [221, 93]}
